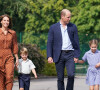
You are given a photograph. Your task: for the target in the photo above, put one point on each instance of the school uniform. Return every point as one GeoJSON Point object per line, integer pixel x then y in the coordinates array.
{"type": "Point", "coordinates": [93, 74]}
{"type": "Point", "coordinates": [24, 70]}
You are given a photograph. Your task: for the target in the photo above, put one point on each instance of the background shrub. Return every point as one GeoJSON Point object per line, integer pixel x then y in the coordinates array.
{"type": "Point", "coordinates": [49, 69]}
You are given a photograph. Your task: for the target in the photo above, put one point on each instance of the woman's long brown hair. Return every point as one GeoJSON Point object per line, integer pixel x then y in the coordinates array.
{"type": "Point", "coordinates": [10, 20]}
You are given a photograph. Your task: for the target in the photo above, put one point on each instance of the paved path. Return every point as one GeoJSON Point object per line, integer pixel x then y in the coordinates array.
{"type": "Point", "coordinates": [51, 84]}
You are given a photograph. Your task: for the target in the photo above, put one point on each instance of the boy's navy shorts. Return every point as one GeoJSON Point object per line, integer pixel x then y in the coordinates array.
{"type": "Point", "coordinates": [24, 81]}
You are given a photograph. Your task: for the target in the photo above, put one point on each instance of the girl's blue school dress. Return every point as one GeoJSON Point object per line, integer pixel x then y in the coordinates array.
{"type": "Point", "coordinates": [93, 74]}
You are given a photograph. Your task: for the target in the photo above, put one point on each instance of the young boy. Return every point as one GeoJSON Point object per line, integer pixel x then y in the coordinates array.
{"type": "Point", "coordinates": [24, 69]}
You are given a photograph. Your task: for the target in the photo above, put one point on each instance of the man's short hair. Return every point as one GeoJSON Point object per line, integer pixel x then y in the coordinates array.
{"type": "Point", "coordinates": [63, 12]}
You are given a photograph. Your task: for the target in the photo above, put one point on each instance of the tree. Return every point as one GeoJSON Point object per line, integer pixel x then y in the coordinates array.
{"type": "Point", "coordinates": [39, 39]}
{"type": "Point", "coordinates": [17, 9]}
{"type": "Point", "coordinates": [87, 16]}
{"type": "Point", "coordinates": [36, 15]}
{"type": "Point", "coordinates": [43, 14]}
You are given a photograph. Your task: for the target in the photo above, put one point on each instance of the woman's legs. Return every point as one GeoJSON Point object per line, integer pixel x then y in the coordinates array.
{"type": "Point", "coordinates": [2, 74]}
{"type": "Point", "coordinates": [9, 70]}
{"type": "Point", "coordinates": [2, 81]}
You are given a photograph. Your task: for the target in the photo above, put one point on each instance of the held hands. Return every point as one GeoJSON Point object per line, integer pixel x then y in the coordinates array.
{"type": "Point", "coordinates": [50, 60]}
{"type": "Point", "coordinates": [76, 60]}
{"type": "Point", "coordinates": [97, 65]}
{"type": "Point", "coordinates": [17, 62]}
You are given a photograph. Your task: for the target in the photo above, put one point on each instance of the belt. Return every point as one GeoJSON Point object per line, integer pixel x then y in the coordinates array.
{"type": "Point", "coordinates": [23, 74]}
{"type": "Point", "coordinates": [66, 51]}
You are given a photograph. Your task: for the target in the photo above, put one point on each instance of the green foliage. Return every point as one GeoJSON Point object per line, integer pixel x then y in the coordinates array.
{"type": "Point", "coordinates": [43, 14]}
{"type": "Point", "coordinates": [87, 16]}
{"type": "Point", "coordinates": [17, 9]}
{"type": "Point", "coordinates": [49, 69]}
{"type": "Point", "coordinates": [38, 15]}
{"type": "Point", "coordinates": [39, 39]}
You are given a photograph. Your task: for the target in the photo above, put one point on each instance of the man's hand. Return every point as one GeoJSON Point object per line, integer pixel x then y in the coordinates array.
{"type": "Point", "coordinates": [76, 60]}
{"type": "Point", "coordinates": [50, 60]}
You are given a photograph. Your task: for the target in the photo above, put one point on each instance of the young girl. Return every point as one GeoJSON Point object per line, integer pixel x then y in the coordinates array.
{"type": "Point", "coordinates": [93, 58]}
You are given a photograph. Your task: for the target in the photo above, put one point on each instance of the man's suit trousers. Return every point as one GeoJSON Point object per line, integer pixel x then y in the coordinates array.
{"type": "Point", "coordinates": [66, 60]}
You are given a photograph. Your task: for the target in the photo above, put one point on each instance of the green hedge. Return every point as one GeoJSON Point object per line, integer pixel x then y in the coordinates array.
{"type": "Point", "coordinates": [49, 69]}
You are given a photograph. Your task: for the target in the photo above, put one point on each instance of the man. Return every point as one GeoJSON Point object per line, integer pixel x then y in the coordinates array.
{"type": "Point", "coordinates": [63, 48]}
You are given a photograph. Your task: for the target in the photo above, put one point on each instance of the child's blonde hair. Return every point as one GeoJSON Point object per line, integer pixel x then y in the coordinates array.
{"type": "Point", "coordinates": [23, 51]}
{"type": "Point", "coordinates": [94, 41]}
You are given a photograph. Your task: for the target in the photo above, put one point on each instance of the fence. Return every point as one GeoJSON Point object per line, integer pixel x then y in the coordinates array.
{"type": "Point", "coordinates": [41, 40]}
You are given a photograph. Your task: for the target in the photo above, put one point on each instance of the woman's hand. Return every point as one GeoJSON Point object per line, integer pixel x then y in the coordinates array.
{"type": "Point", "coordinates": [17, 62]}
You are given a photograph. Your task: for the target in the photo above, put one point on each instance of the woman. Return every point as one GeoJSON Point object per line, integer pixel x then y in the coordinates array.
{"type": "Point", "coordinates": [8, 47]}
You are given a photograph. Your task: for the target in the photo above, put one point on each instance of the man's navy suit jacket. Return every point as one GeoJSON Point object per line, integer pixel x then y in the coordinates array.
{"type": "Point", "coordinates": [54, 43]}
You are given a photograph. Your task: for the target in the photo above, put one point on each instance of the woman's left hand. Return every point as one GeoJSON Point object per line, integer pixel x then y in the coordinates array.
{"type": "Point", "coordinates": [17, 63]}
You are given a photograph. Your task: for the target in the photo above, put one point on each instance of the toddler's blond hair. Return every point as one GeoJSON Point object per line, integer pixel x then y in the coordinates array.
{"type": "Point", "coordinates": [23, 51]}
